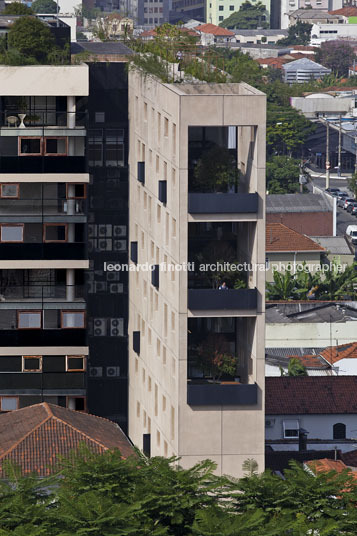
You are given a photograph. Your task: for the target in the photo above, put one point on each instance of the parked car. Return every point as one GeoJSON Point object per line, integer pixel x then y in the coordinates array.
{"type": "Point", "coordinates": [341, 202]}
{"type": "Point", "coordinates": [347, 202]}
{"type": "Point", "coordinates": [354, 211]}
{"type": "Point", "coordinates": [342, 195]}
{"type": "Point", "coordinates": [351, 233]}
{"type": "Point", "coordinates": [332, 190]}
{"type": "Point", "coordinates": [351, 206]}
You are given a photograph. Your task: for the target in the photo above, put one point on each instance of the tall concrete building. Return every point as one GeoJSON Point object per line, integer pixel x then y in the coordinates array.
{"type": "Point", "coordinates": [179, 216]}
{"type": "Point", "coordinates": [218, 10]}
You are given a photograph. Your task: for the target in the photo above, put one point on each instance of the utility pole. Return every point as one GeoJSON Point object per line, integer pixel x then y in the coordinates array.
{"type": "Point", "coordinates": [339, 147]}
{"type": "Point", "coordinates": [327, 155]}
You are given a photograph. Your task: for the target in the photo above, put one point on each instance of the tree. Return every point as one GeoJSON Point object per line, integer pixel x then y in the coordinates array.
{"type": "Point", "coordinates": [44, 6]}
{"type": "Point", "coordinates": [215, 171]}
{"type": "Point", "coordinates": [249, 17]}
{"type": "Point", "coordinates": [283, 286]}
{"type": "Point", "coordinates": [287, 130]}
{"type": "Point", "coordinates": [336, 55]}
{"type": "Point", "coordinates": [352, 184]}
{"type": "Point", "coordinates": [17, 8]}
{"type": "Point", "coordinates": [32, 38]}
{"type": "Point", "coordinates": [282, 175]}
{"type": "Point", "coordinates": [296, 368]}
{"type": "Point", "coordinates": [298, 34]}
{"type": "Point", "coordinates": [214, 357]}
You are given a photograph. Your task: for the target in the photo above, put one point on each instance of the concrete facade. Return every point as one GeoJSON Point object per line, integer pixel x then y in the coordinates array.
{"type": "Point", "coordinates": [160, 116]}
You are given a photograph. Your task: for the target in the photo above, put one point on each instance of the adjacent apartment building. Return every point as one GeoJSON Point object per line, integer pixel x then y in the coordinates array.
{"type": "Point", "coordinates": [218, 10]}
{"type": "Point", "coordinates": [176, 314]}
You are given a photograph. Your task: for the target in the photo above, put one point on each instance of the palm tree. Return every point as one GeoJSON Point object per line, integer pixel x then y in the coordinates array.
{"type": "Point", "coordinates": [283, 286]}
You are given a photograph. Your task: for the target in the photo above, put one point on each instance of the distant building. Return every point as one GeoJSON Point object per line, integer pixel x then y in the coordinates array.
{"type": "Point", "coordinates": [218, 10]}
{"type": "Point", "coordinates": [313, 16]}
{"type": "Point", "coordinates": [304, 70]}
{"type": "Point", "coordinates": [283, 8]}
{"type": "Point", "coordinates": [210, 34]}
{"type": "Point", "coordinates": [183, 10]}
{"type": "Point", "coordinates": [256, 37]}
{"type": "Point", "coordinates": [325, 32]}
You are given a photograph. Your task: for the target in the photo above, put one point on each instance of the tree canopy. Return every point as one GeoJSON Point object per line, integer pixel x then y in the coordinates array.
{"type": "Point", "coordinates": [31, 38]}
{"type": "Point", "coordinates": [17, 8]}
{"type": "Point", "coordinates": [248, 17]}
{"type": "Point", "coordinates": [298, 34]}
{"type": "Point", "coordinates": [336, 55]}
{"type": "Point", "coordinates": [44, 6]}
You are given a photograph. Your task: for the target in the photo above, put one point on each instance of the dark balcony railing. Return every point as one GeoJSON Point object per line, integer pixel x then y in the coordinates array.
{"type": "Point", "coordinates": [220, 394]}
{"type": "Point", "coordinates": [43, 337]}
{"type": "Point", "coordinates": [42, 207]}
{"type": "Point", "coordinates": [219, 203]}
{"type": "Point", "coordinates": [43, 164]}
{"type": "Point", "coordinates": [28, 251]}
{"type": "Point", "coordinates": [45, 380]}
{"type": "Point", "coordinates": [207, 299]}
{"type": "Point", "coordinates": [41, 293]}
{"type": "Point", "coordinates": [10, 119]}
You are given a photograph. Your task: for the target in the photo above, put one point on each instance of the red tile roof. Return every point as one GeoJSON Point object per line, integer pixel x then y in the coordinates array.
{"type": "Point", "coordinates": [332, 354]}
{"type": "Point", "coordinates": [310, 361]}
{"type": "Point", "coordinates": [310, 395]}
{"type": "Point", "coordinates": [281, 238]}
{"type": "Point", "coordinates": [214, 30]}
{"type": "Point", "coordinates": [345, 11]}
{"type": "Point", "coordinates": [307, 48]}
{"type": "Point", "coordinates": [325, 465]}
{"type": "Point", "coordinates": [34, 437]}
{"type": "Point", "coordinates": [275, 62]}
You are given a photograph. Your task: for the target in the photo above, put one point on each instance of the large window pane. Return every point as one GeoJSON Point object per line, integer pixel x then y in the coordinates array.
{"type": "Point", "coordinates": [9, 403]}
{"type": "Point", "coordinates": [73, 319]}
{"type": "Point", "coordinates": [12, 233]}
{"type": "Point", "coordinates": [29, 320]}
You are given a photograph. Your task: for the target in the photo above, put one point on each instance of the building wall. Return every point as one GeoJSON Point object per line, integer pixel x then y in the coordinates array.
{"type": "Point", "coordinates": [324, 32]}
{"type": "Point", "coordinates": [218, 10]}
{"type": "Point", "coordinates": [309, 335]}
{"type": "Point", "coordinates": [309, 223]}
{"type": "Point", "coordinates": [318, 426]}
{"type": "Point", "coordinates": [159, 118]}
{"type": "Point", "coordinates": [278, 261]}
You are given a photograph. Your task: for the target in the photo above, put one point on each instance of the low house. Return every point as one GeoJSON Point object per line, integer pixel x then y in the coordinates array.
{"type": "Point", "coordinates": [258, 36]}
{"type": "Point", "coordinates": [304, 70]}
{"type": "Point", "coordinates": [314, 16]}
{"type": "Point", "coordinates": [309, 214]}
{"type": "Point", "coordinates": [210, 34]}
{"type": "Point", "coordinates": [277, 363]}
{"type": "Point", "coordinates": [323, 407]}
{"type": "Point", "coordinates": [342, 358]}
{"type": "Point", "coordinates": [34, 437]}
{"type": "Point", "coordinates": [286, 247]}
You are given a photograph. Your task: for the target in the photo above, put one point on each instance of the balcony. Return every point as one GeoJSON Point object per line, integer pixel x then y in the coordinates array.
{"type": "Point", "coordinates": [43, 164]}
{"type": "Point", "coordinates": [40, 294]}
{"type": "Point", "coordinates": [221, 394]}
{"type": "Point", "coordinates": [222, 203]}
{"type": "Point", "coordinates": [212, 299]}
{"type": "Point", "coordinates": [43, 209]}
{"type": "Point", "coordinates": [45, 380]}
{"type": "Point", "coordinates": [28, 251]}
{"type": "Point", "coordinates": [13, 122]}
{"type": "Point", "coordinates": [43, 337]}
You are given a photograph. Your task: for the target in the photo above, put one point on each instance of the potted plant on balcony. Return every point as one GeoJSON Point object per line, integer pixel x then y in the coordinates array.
{"type": "Point", "coordinates": [216, 171]}
{"type": "Point", "coordinates": [215, 358]}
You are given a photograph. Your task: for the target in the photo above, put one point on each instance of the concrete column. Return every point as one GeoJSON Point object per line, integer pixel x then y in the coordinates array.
{"type": "Point", "coordinates": [70, 281]}
{"type": "Point", "coordinates": [71, 112]}
{"type": "Point", "coordinates": [71, 202]}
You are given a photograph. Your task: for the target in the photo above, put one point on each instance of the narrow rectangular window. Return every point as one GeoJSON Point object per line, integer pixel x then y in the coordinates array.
{"type": "Point", "coordinates": [9, 191]}
{"type": "Point", "coordinates": [52, 232]}
{"type": "Point", "coordinates": [75, 363]}
{"type": "Point", "coordinates": [31, 363]}
{"type": "Point", "coordinates": [29, 319]}
{"type": "Point", "coordinates": [56, 146]}
{"type": "Point", "coordinates": [30, 146]}
{"type": "Point", "coordinates": [12, 232]}
{"type": "Point", "coordinates": [9, 403]}
{"type": "Point", "coordinates": [73, 319]}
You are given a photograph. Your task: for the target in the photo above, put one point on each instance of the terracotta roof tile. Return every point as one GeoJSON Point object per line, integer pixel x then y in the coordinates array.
{"type": "Point", "coordinates": [333, 354]}
{"type": "Point", "coordinates": [310, 361]}
{"type": "Point", "coordinates": [325, 465]}
{"type": "Point", "coordinates": [281, 238]}
{"type": "Point", "coordinates": [311, 395]}
{"type": "Point", "coordinates": [33, 437]}
{"type": "Point", "coordinates": [214, 30]}
{"type": "Point", "coordinates": [345, 11]}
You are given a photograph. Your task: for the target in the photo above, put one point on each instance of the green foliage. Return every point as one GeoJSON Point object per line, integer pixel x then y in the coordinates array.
{"type": "Point", "coordinates": [298, 34]}
{"type": "Point", "coordinates": [44, 6]}
{"type": "Point", "coordinates": [283, 286]}
{"type": "Point", "coordinates": [17, 8]}
{"type": "Point", "coordinates": [352, 184]}
{"type": "Point", "coordinates": [296, 368]}
{"type": "Point", "coordinates": [287, 130]}
{"type": "Point", "coordinates": [249, 17]}
{"type": "Point", "coordinates": [336, 55]}
{"type": "Point", "coordinates": [250, 466]}
{"type": "Point", "coordinates": [282, 175]}
{"type": "Point", "coordinates": [31, 38]}
{"type": "Point", "coordinates": [214, 357]}
{"type": "Point", "coordinates": [215, 171]}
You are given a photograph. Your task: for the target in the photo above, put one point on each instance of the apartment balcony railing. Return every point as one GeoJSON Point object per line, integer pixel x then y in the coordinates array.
{"type": "Point", "coordinates": [43, 164]}
{"type": "Point", "coordinates": [222, 203]}
{"type": "Point", "coordinates": [43, 337]}
{"type": "Point", "coordinates": [42, 380]}
{"type": "Point", "coordinates": [42, 207]}
{"type": "Point", "coordinates": [201, 393]}
{"type": "Point", "coordinates": [39, 294]}
{"type": "Point", "coordinates": [15, 119]}
{"type": "Point", "coordinates": [212, 299]}
{"type": "Point", "coordinates": [55, 251]}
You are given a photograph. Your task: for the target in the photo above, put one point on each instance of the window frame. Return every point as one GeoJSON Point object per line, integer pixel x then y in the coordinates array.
{"type": "Point", "coordinates": [73, 311]}
{"type": "Point", "coordinates": [55, 138]}
{"type": "Point", "coordinates": [25, 311]}
{"type": "Point", "coordinates": [84, 359]}
{"type": "Point", "coordinates": [30, 138]}
{"type": "Point", "coordinates": [22, 225]}
{"type": "Point", "coordinates": [74, 184]}
{"type": "Point", "coordinates": [24, 357]}
{"type": "Point", "coordinates": [47, 241]}
{"type": "Point", "coordinates": [337, 434]}
{"type": "Point", "coordinates": [9, 396]}
{"type": "Point", "coordinates": [286, 427]}
{"type": "Point", "coordinates": [10, 196]}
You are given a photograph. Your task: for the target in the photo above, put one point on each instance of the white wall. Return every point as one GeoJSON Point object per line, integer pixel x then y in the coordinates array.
{"type": "Point", "coordinates": [318, 426]}
{"type": "Point", "coordinates": [309, 335]}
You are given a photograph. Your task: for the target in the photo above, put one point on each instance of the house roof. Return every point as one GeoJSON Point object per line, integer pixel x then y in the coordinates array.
{"type": "Point", "coordinates": [336, 245]}
{"type": "Point", "coordinates": [345, 12]}
{"type": "Point", "coordinates": [311, 395]}
{"type": "Point", "coordinates": [255, 32]}
{"type": "Point", "coordinates": [281, 238]}
{"type": "Point", "coordinates": [305, 64]}
{"type": "Point", "coordinates": [214, 30]}
{"type": "Point", "coordinates": [310, 312]}
{"type": "Point", "coordinates": [277, 62]}
{"type": "Point", "coordinates": [324, 465]}
{"type": "Point", "coordinates": [333, 354]}
{"type": "Point", "coordinates": [310, 14]}
{"type": "Point", "coordinates": [307, 48]}
{"type": "Point", "coordinates": [349, 458]}
{"type": "Point", "coordinates": [34, 437]}
{"type": "Point", "coordinates": [297, 203]}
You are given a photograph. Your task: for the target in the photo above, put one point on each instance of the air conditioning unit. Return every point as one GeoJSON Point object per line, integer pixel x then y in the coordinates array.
{"type": "Point", "coordinates": [116, 327]}
{"type": "Point", "coordinates": [113, 372]}
{"type": "Point", "coordinates": [104, 244]}
{"type": "Point", "coordinates": [99, 327]}
{"type": "Point", "coordinates": [95, 372]}
{"type": "Point", "coordinates": [116, 288]}
{"type": "Point", "coordinates": [113, 276]}
{"type": "Point", "coordinates": [104, 230]}
{"type": "Point", "coordinates": [100, 286]}
{"type": "Point", "coordinates": [119, 245]}
{"type": "Point", "coordinates": [269, 423]}
{"type": "Point", "coordinates": [119, 230]}
{"type": "Point", "coordinates": [92, 230]}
